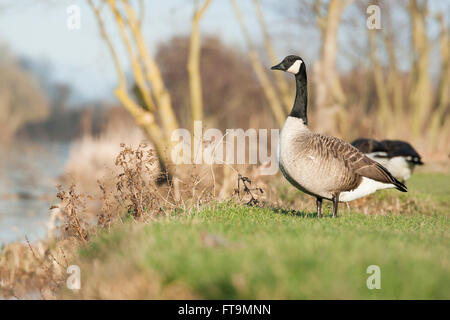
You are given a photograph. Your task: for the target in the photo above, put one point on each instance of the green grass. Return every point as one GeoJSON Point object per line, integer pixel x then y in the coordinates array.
{"type": "Point", "coordinates": [433, 185]}
{"type": "Point", "coordinates": [230, 251]}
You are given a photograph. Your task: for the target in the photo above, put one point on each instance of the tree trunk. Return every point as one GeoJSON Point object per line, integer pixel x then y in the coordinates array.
{"type": "Point", "coordinates": [193, 66]}
{"type": "Point", "coordinates": [394, 77]}
{"type": "Point", "coordinates": [443, 96]}
{"type": "Point", "coordinates": [328, 92]}
{"type": "Point", "coordinates": [156, 103]}
{"type": "Point", "coordinates": [384, 109]}
{"type": "Point", "coordinates": [420, 89]}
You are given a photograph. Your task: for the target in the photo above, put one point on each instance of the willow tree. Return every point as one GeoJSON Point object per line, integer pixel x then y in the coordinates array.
{"type": "Point", "coordinates": [151, 107]}
{"type": "Point", "coordinates": [21, 100]}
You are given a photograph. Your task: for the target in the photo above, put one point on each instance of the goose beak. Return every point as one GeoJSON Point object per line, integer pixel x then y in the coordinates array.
{"type": "Point", "coordinates": [279, 66]}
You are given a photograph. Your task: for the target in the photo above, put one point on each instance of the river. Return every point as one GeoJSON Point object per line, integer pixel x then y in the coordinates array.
{"type": "Point", "coordinates": [28, 178]}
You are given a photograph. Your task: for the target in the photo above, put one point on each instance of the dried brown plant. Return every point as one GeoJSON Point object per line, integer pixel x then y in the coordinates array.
{"type": "Point", "coordinates": [71, 208]}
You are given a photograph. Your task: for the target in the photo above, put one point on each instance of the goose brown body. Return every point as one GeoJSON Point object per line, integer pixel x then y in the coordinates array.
{"type": "Point", "coordinates": [325, 166]}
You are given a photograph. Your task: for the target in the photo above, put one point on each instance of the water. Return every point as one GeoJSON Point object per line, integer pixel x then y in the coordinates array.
{"type": "Point", "coordinates": [28, 179]}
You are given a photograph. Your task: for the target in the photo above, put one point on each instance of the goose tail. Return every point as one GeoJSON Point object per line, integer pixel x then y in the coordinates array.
{"type": "Point", "coordinates": [397, 183]}
{"type": "Point", "coordinates": [400, 186]}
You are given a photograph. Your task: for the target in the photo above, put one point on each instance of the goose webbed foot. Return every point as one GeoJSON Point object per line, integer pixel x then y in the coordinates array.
{"type": "Point", "coordinates": [335, 205]}
{"type": "Point", "coordinates": [319, 207]}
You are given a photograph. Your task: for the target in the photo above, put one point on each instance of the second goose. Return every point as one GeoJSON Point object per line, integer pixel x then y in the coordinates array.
{"type": "Point", "coordinates": [399, 157]}
{"type": "Point", "coordinates": [322, 166]}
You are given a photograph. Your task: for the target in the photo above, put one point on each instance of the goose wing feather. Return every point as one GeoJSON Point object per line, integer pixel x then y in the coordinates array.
{"type": "Point", "coordinates": [359, 163]}
{"type": "Point", "coordinates": [371, 169]}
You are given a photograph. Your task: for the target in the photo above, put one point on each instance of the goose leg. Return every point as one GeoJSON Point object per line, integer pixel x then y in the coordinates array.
{"type": "Point", "coordinates": [335, 205]}
{"type": "Point", "coordinates": [319, 207]}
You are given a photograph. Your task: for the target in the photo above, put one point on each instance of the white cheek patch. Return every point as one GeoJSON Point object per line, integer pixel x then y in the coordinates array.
{"type": "Point", "coordinates": [295, 68]}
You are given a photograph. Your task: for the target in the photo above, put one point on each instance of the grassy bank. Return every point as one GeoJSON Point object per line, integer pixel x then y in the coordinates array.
{"type": "Point", "coordinates": [233, 251]}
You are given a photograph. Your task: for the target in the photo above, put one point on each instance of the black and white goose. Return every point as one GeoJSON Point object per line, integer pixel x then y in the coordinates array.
{"type": "Point", "coordinates": [322, 166]}
{"type": "Point", "coordinates": [399, 157]}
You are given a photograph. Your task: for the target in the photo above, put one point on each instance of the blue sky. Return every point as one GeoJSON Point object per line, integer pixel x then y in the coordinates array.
{"type": "Point", "coordinates": [37, 30]}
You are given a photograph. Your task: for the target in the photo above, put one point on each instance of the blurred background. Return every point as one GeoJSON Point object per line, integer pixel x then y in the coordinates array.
{"type": "Point", "coordinates": [78, 78]}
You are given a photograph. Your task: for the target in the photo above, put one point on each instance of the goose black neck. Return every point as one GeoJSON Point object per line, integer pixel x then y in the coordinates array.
{"type": "Point", "coordinates": [301, 97]}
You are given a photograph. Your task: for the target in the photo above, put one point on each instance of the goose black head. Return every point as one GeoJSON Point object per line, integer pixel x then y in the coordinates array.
{"type": "Point", "coordinates": [291, 64]}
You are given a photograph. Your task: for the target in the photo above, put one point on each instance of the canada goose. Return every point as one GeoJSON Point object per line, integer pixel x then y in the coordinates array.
{"type": "Point", "coordinates": [322, 166]}
{"type": "Point", "coordinates": [399, 157]}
